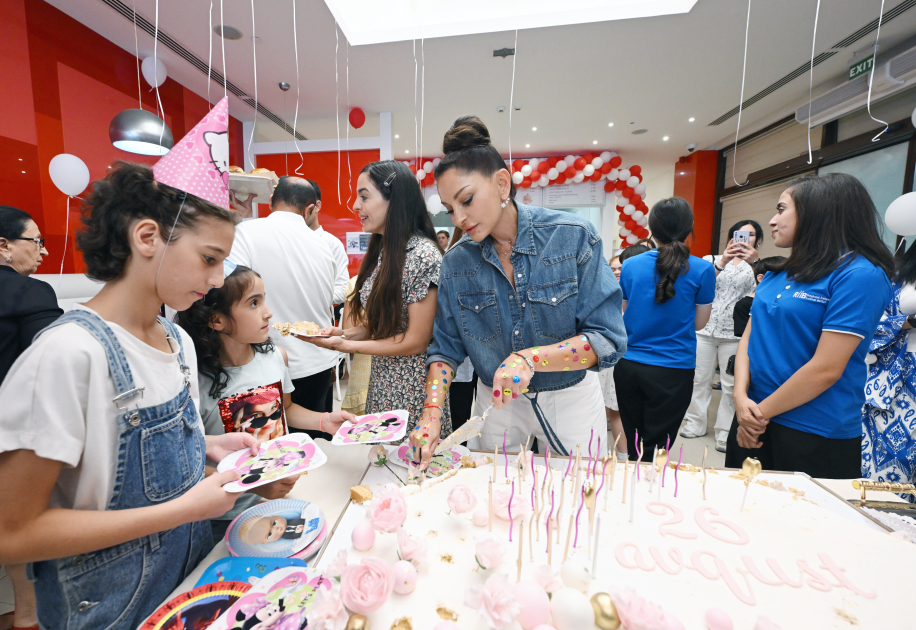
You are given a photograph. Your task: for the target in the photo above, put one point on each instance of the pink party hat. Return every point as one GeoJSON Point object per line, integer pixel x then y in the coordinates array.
{"type": "Point", "coordinates": [199, 163]}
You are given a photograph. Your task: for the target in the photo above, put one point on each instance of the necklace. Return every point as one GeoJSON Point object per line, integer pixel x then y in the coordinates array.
{"type": "Point", "coordinates": [504, 255]}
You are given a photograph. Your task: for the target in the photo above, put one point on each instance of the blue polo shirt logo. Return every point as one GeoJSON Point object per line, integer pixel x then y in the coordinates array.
{"type": "Point", "coordinates": [819, 299]}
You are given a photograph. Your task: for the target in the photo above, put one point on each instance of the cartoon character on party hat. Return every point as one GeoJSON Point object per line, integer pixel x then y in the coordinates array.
{"type": "Point", "coordinates": [199, 163]}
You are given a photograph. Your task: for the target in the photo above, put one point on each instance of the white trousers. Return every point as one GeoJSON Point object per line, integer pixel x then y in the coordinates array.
{"type": "Point", "coordinates": [572, 413]}
{"type": "Point", "coordinates": [710, 351]}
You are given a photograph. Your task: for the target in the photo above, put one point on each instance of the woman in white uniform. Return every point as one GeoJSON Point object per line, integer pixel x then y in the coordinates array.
{"type": "Point", "coordinates": [528, 296]}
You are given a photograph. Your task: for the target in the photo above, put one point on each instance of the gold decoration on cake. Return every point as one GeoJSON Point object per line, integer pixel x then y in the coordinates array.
{"type": "Point", "coordinates": [606, 616]}
{"type": "Point", "coordinates": [446, 613]}
{"type": "Point", "coordinates": [751, 468]}
{"type": "Point", "coordinates": [402, 624]}
{"type": "Point", "coordinates": [468, 462]}
{"type": "Point", "coordinates": [299, 328]}
{"type": "Point", "coordinates": [360, 494]}
{"type": "Point", "coordinates": [865, 484]}
{"type": "Point", "coordinates": [357, 622]}
{"type": "Point", "coordinates": [447, 558]}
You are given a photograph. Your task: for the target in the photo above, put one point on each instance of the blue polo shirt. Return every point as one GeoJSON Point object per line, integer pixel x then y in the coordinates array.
{"type": "Point", "coordinates": [787, 319]}
{"type": "Point", "coordinates": [664, 334]}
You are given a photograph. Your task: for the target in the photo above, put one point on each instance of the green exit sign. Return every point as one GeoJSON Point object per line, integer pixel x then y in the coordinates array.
{"type": "Point", "coordinates": [861, 67]}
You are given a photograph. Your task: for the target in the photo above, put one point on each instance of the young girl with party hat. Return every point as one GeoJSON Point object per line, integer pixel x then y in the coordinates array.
{"type": "Point", "coordinates": [101, 446]}
{"type": "Point", "coordinates": [244, 378]}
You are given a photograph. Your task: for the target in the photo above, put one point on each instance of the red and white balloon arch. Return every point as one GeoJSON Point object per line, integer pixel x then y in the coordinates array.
{"type": "Point", "coordinates": [625, 183]}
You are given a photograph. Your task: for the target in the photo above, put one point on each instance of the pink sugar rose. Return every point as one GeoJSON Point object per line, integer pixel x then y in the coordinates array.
{"type": "Point", "coordinates": [328, 612]}
{"type": "Point", "coordinates": [489, 552]}
{"type": "Point", "coordinates": [494, 600]}
{"type": "Point", "coordinates": [388, 510]}
{"type": "Point", "coordinates": [364, 587]}
{"type": "Point", "coordinates": [548, 579]}
{"type": "Point", "coordinates": [637, 613]}
{"type": "Point", "coordinates": [461, 499]}
{"type": "Point", "coordinates": [412, 550]}
{"type": "Point", "coordinates": [338, 564]}
{"type": "Point", "coordinates": [481, 517]}
{"type": "Point", "coordinates": [501, 496]}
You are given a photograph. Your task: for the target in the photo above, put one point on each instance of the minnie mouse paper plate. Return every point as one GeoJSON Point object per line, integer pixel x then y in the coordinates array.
{"type": "Point", "coordinates": [278, 458]}
{"type": "Point", "coordinates": [275, 529]}
{"type": "Point", "coordinates": [439, 464]}
{"type": "Point", "coordinates": [197, 608]}
{"type": "Point", "coordinates": [373, 429]}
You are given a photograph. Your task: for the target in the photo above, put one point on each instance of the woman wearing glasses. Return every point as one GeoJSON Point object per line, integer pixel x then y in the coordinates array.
{"type": "Point", "coordinates": [26, 306]}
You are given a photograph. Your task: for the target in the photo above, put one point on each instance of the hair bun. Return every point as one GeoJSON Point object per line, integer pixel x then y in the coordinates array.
{"type": "Point", "coordinates": [466, 132]}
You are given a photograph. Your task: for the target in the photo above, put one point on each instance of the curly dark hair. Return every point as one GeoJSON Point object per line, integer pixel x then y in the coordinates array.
{"type": "Point", "coordinates": [129, 193]}
{"type": "Point", "coordinates": [207, 342]}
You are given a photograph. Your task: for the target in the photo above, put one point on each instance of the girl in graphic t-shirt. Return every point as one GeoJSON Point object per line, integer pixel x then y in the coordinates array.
{"type": "Point", "coordinates": [101, 448]}
{"type": "Point", "coordinates": [243, 376]}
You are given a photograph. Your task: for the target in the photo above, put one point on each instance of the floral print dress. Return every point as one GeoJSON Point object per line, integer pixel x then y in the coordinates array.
{"type": "Point", "coordinates": [400, 382]}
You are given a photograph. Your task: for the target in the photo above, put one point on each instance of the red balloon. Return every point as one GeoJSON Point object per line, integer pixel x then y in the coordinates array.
{"type": "Point", "coordinates": [429, 180]}
{"type": "Point", "coordinates": [620, 185]}
{"type": "Point", "coordinates": [608, 186]}
{"type": "Point", "coordinates": [616, 161]}
{"type": "Point", "coordinates": [553, 161]}
{"type": "Point", "coordinates": [629, 192]}
{"type": "Point", "coordinates": [357, 117]}
{"type": "Point", "coordinates": [517, 165]}
{"type": "Point", "coordinates": [589, 157]}
{"type": "Point", "coordinates": [606, 168]}
{"type": "Point", "coordinates": [544, 166]}
{"type": "Point", "coordinates": [635, 170]}
{"type": "Point", "coordinates": [596, 176]}
{"type": "Point", "coordinates": [580, 163]}
{"type": "Point", "coordinates": [561, 179]}
{"type": "Point", "coordinates": [535, 175]}
{"type": "Point", "coordinates": [526, 183]}
{"type": "Point", "coordinates": [570, 172]}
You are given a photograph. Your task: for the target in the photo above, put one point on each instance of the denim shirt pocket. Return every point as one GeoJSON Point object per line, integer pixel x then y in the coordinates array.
{"type": "Point", "coordinates": [479, 315]}
{"type": "Point", "coordinates": [171, 455]}
{"type": "Point", "coordinates": [553, 308]}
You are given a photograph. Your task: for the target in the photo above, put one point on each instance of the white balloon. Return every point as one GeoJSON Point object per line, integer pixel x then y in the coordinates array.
{"type": "Point", "coordinates": [69, 173]}
{"type": "Point", "coordinates": [624, 232]}
{"type": "Point", "coordinates": [562, 165]}
{"type": "Point", "coordinates": [638, 215]}
{"type": "Point", "coordinates": [428, 166]}
{"type": "Point", "coordinates": [597, 162]}
{"type": "Point", "coordinates": [578, 178]}
{"type": "Point", "coordinates": [569, 159]}
{"type": "Point", "coordinates": [900, 216]}
{"type": "Point", "coordinates": [613, 174]}
{"type": "Point", "coordinates": [629, 209]}
{"type": "Point", "coordinates": [526, 170]}
{"type": "Point", "coordinates": [603, 177]}
{"type": "Point", "coordinates": [533, 163]}
{"type": "Point", "coordinates": [640, 189]}
{"type": "Point", "coordinates": [632, 238]}
{"type": "Point", "coordinates": [589, 170]}
{"type": "Point", "coordinates": [434, 205]}
{"type": "Point", "coordinates": [606, 156]}
{"type": "Point", "coordinates": [623, 174]}
{"type": "Point", "coordinates": [644, 221]}
{"type": "Point", "coordinates": [643, 194]}
{"type": "Point", "coordinates": [622, 203]}
{"type": "Point", "coordinates": [153, 72]}
{"type": "Point", "coordinates": [633, 181]}
{"type": "Point", "coordinates": [553, 173]}
{"type": "Point", "coordinates": [517, 178]}
{"type": "Point", "coordinates": [436, 162]}
{"type": "Point", "coordinates": [421, 174]}
{"type": "Point", "coordinates": [621, 222]}
{"type": "Point", "coordinates": [619, 194]}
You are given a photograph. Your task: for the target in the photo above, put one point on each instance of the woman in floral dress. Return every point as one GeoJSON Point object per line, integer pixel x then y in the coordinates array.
{"type": "Point", "coordinates": [391, 312]}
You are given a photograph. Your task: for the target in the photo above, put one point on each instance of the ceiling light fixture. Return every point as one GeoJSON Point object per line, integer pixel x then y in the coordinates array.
{"type": "Point", "coordinates": [534, 129]}
{"type": "Point", "coordinates": [396, 136]}
{"type": "Point", "coordinates": [682, 172]}
{"type": "Point", "coordinates": [406, 151]}
{"type": "Point", "coordinates": [665, 138]}
{"type": "Point", "coordinates": [527, 146]}
{"type": "Point", "coordinates": [227, 32]}
{"type": "Point", "coordinates": [594, 142]}
{"type": "Point", "coordinates": [140, 131]}
{"type": "Point", "coordinates": [610, 124]}
{"type": "Point", "coordinates": [691, 119]}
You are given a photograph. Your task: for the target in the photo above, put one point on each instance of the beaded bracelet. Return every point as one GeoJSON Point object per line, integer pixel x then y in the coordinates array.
{"type": "Point", "coordinates": [526, 360]}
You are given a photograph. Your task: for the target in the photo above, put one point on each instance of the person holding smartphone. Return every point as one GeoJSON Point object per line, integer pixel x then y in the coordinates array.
{"type": "Point", "coordinates": [716, 343]}
{"type": "Point", "coordinates": [800, 369]}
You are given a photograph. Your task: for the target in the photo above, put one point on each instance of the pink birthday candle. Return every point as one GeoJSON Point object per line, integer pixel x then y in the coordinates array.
{"type": "Point", "coordinates": [546, 464]}
{"type": "Point", "coordinates": [588, 467]}
{"type": "Point", "coordinates": [581, 505]}
{"type": "Point", "coordinates": [667, 459]}
{"type": "Point", "coordinates": [568, 466]}
{"type": "Point", "coordinates": [597, 457]}
{"type": "Point", "coordinates": [507, 461]}
{"type": "Point", "coordinates": [532, 497]}
{"type": "Point", "coordinates": [639, 459]}
{"type": "Point", "coordinates": [679, 458]}
{"type": "Point", "coordinates": [603, 478]}
{"type": "Point", "coordinates": [636, 445]}
{"type": "Point", "coordinates": [549, 516]}
{"type": "Point", "coordinates": [509, 507]}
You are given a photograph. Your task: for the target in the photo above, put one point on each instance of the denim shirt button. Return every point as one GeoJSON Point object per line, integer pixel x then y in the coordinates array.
{"type": "Point", "coordinates": [78, 560]}
{"type": "Point", "coordinates": [511, 297]}
{"type": "Point", "coordinates": [83, 607]}
{"type": "Point", "coordinates": [134, 419]}
{"type": "Point", "coordinates": [519, 275]}
{"type": "Point", "coordinates": [476, 308]}
{"type": "Point", "coordinates": [523, 305]}
{"type": "Point", "coordinates": [553, 299]}
{"type": "Point", "coordinates": [516, 332]}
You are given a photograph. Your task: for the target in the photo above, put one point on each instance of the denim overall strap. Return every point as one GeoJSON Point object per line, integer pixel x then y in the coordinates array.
{"type": "Point", "coordinates": [555, 444]}
{"type": "Point", "coordinates": [161, 454]}
{"type": "Point", "coordinates": [174, 333]}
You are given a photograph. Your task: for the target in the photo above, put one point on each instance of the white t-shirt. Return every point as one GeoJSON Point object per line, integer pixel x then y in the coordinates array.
{"type": "Point", "coordinates": [341, 261]}
{"type": "Point", "coordinates": [298, 270]}
{"type": "Point", "coordinates": [56, 401]}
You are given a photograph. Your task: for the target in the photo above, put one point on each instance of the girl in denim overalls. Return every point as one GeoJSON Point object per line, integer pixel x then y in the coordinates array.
{"type": "Point", "coordinates": [101, 449]}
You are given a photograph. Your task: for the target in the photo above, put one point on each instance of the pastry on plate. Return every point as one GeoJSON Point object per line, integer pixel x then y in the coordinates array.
{"type": "Point", "coordinates": [299, 328]}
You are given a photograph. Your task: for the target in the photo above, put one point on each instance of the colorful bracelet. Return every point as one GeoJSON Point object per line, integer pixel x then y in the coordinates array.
{"type": "Point", "coordinates": [525, 359]}
{"type": "Point", "coordinates": [432, 407]}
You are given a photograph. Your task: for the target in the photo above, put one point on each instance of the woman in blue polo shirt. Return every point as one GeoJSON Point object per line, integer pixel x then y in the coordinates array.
{"type": "Point", "coordinates": [667, 297]}
{"type": "Point", "coordinates": [800, 369]}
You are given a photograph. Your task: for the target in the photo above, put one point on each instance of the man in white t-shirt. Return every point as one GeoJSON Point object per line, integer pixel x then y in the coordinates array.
{"type": "Point", "coordinates": [298, 269]}
{"type": "Point", "coordinates": [342, 274]}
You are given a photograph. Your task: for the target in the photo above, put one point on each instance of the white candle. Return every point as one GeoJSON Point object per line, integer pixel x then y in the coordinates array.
{"type": "Point", "coordinates": [633, 494]}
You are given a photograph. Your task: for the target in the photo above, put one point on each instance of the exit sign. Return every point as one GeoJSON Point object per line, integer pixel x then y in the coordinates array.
{"type": "Point", "coordinates": [861, 67]}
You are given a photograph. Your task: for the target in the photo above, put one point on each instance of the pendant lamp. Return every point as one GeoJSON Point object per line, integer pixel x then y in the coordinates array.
{"type": "Point", "coordinates": [140, 131]}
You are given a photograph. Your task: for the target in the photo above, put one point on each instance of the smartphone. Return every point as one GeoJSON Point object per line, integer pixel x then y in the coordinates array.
{"type": "Point", "coordinates": [743, 236]}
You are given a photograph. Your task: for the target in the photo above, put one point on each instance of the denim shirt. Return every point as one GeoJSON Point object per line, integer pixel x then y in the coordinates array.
{"type": "Point", "coordinates": [563, 287]}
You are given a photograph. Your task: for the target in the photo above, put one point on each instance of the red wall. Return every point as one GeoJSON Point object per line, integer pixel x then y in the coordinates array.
{"type": "Point", "coordinates": [698, 186]}
{"type": "Point", "coordinates": [336, 216]}
{"type": "Point", "coordinates": [63, 83]}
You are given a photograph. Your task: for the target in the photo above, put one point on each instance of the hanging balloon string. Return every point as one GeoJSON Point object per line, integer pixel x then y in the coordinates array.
{"type": "Point", "coordinates": [871, 77]}
{"type": "Point", "coordinates": [137, 54]}
{"type": "Point", "coordinates": [349, 170]}
{"type": "Point", "coordinates": [512, 96]}
{"type": "Point", "coordinates": [222, 25]}
{"type": "Point", "coordinates": [184, 196]}
{"type": "Point", "coordinates": [337, 106]}
{"type": "Point", "coordinates": [210, 54]}
{"type": "Point", "coordinates": [817, 12]}
{"type": "Point", "coordinates": [156, 74]}
{"type": "Point", "coordinates": [747, 30]}
{"type": "Point", "coordinates": [286, 153]}
{"type": "Point", "coordinates": [254, 51]}
{"type": "Point", "coordinates": [296, 117]}
{"type": "Point", "coordinates": [60, 276]}
{"type": "Point", "coordinates": [416, 128]}
{"type": "Point", "coordinates": [422, 95]}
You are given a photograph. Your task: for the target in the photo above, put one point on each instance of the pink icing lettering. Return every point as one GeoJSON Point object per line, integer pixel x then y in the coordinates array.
{"type": "Point", "coordinates": [815, 579]}
{"type": "Point", "coordinates": [696, 559]}
{"type": "Point", "coordinates": [774, 566]}
{"type": "Point", "coordinates": [839, 573]}
{"type": "Point", "coordinates": [639, 561]}
{"type": "Point", "coordinates": [708, 526]}
{"type": "Point", "coordinates": [667, 528]}
{"type": "Point", "coordinates": [758, 574]}
{"type": "Point", "coordinates": [676, 556]}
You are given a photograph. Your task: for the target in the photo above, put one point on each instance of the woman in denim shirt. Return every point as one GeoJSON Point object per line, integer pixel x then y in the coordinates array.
{"type": "Point", "coordinates": [528, 296]}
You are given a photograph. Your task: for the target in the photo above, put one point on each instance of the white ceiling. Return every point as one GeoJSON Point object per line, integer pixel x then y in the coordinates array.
{"type": "Point", "coordinates": [570, 81]}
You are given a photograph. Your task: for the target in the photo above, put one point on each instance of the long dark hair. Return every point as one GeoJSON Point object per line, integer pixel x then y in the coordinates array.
{"type": "Point", "coordinates": [467, 147]}
{"type": "Point", "coordinates": [836, 221]}
{"type": "Point", "coordinates": [207, 342]}
{"type": "Point", "coordinates": [758, 231]}
{"type": "Point", "coordinates": [671, 221]}
{"type": "Point", "coordinates": [906, 270]}
{"type": "Point", "coordinates": [407, 216]}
